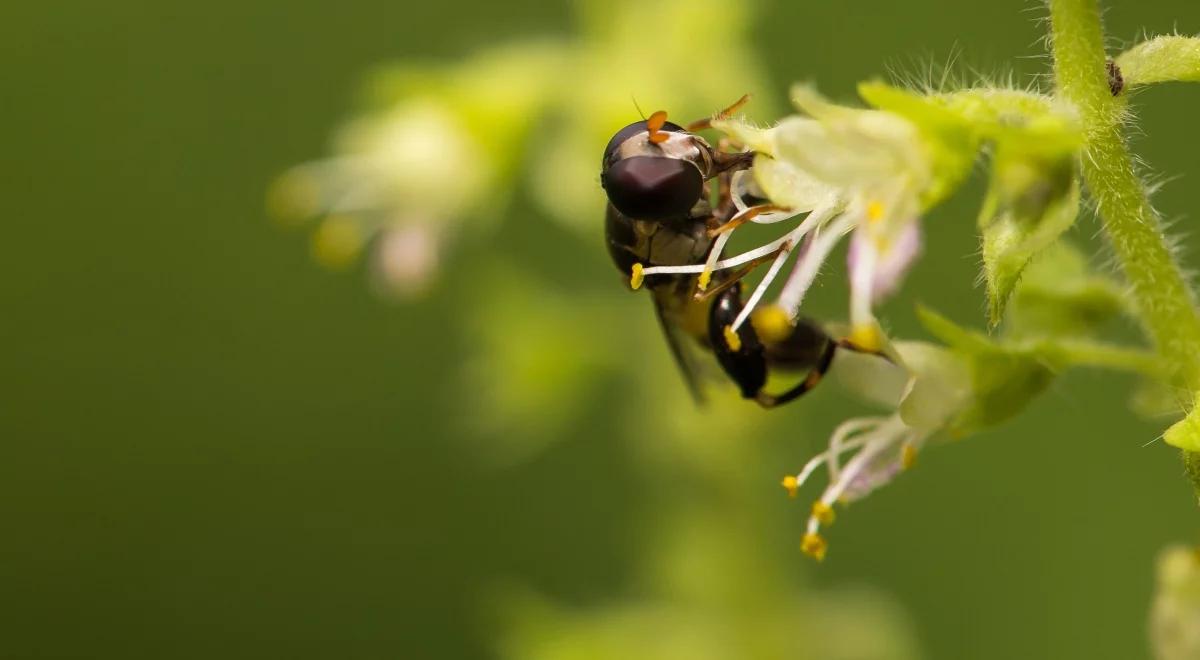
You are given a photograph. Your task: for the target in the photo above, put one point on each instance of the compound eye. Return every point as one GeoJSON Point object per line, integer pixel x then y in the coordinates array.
{"type": "Point", "coordinates": [632, 130]}
{"type": "Point", "coordinates": [653, 187]}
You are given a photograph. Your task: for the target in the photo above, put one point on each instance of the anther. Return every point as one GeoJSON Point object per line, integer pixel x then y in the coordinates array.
{"type": "Point", "coordinates": [814, 546]}
{"type": "Point", "coordinates": [636, 276]}
{"type": "Point", "coordinates": [874, 210]}
{"type": "Point", "coordinates": [791, 484]}
{"type": "Point", "coordinates": [908, 456]}
{"type": "Point", "coordinates": [732, 340]}
{"type": "Point", "coordinates": [823, 513]}
{"type": "Point", "coordinates": [866, 337]}
{"type": "Point", "coordinates": [772, 323]}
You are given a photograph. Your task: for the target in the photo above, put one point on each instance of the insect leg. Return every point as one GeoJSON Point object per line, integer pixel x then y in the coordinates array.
{"type": "Point", "coordinates": [701, 124]}
{"type": "Point", "coordinates": [739, 353]}
{"type": "Point", "coordinates": [724, 209]}
{"type": "Point", "coordinates": [742, 218]}
{"type": "Point", "coordinates": [810, 381]}
{"type": "Point", "coordinates": [737, 275]}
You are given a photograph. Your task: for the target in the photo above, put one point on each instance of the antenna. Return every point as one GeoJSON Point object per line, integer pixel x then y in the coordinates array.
{"type": "Point", "coordinates": [639, 108]}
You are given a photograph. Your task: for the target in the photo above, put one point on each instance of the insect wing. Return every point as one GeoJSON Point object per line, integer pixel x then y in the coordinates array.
{"type": "Point", "coordinates": [684, 355]}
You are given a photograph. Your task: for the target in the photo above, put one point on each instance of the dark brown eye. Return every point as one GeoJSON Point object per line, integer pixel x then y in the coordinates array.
{"type": "Point", "coordinates": [630, 131]}
{"type": "Point", "coordinates": [653, 187]}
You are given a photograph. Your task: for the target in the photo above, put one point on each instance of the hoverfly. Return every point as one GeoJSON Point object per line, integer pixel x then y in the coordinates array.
{"type": "Point", "coordinates": [656, 174]}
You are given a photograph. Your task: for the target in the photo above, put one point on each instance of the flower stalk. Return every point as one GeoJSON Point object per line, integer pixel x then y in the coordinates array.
{"type": "Point", "coordinates": [1167, 58]}
{"type": "Point", "coordinates": [1165, 305]}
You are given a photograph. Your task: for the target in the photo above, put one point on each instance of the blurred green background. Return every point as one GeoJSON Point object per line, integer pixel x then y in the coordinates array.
{"type": "Point", "coordinates": [214, 448]}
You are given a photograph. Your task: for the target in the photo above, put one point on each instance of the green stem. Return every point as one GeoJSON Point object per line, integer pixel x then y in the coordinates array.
{"type": "Point", "coordinates": [1165, 303]}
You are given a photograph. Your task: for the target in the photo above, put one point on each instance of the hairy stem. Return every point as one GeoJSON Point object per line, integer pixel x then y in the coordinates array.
{"type": "Point", "coordinates": [1165, 304]}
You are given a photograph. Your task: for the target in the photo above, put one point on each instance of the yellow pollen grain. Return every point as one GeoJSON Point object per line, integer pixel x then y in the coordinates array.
{"type": "Point", "coordinates": [814, 546]}
{"type": "Point", "coordinates": [874, 210]}
{"type": "Point", "coordinates": [772, 323]}
{"type": "Point", "coordinates": [703, 280]}
{"type": "Point", "coordinates": [908, 456]}
{"type": "Point", "coordinates": [636, 277]}
{"type": "Point", "coordinates": [823, 513]}
{"type": "Point", "coordinates": [789, 482]}
{"type": "Point", "coordinates": [732, 340]}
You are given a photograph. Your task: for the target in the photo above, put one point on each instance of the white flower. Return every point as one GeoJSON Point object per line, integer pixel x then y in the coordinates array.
{"type": "Point", "coordinates": [937, 388]}
{"type": "Point", "coordinates": [852, 171]}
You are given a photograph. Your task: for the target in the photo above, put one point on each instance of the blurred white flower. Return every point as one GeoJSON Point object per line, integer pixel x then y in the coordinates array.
{"type": "Point", "coordinates": [408, 174]}
{"type": "Point", "coordinates": [406, 258]}
{"type": "Point", "coordinates": [1175, 615]}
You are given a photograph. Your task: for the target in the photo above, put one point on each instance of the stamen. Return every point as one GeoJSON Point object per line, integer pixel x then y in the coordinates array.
{"type": "Point", "coordinates": [761, 289]}
{"type": "Point", "coordinates": [823, 513]}
{"type": "Point", "coordinates": [295, 196]}
{"type": "Point", "coordinates": [810, 467]}
{"type": "Point", "coordinates": [875, 210]}
{"type": "Point", "coordinates": [337, 241]}
{"type": "Point", "coordinates": [723, 264]}
{"type": "Point", "coordinates": [814, 220]}
{"type": "Point", "coordinates": [810, 263]}
{"type": "Point", "coordinates": [867, 338]}
{"type": "Point", "coordinates": [790, 239]}
{"type": "Point", "coordinates": [732, 340]}
{"type": "Point", "coordinates": [864, 331]}
{"type": "Point", "coordinates": [814, 546]}
{"type": "Point", "coordinates": [789, 482]}
{"type": "Point", "coordinates": [772, 323]}
{"type": "Point", "coordinates": [839, 443]}
{"type": "Point", "coordinates": [883, 436]}
{"type": "Point", "coordinates": [636, 277]}
{"type": "Point", "coordinates": [828, 456]}
{"type": "Point", "coordinates": [713, 254]}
